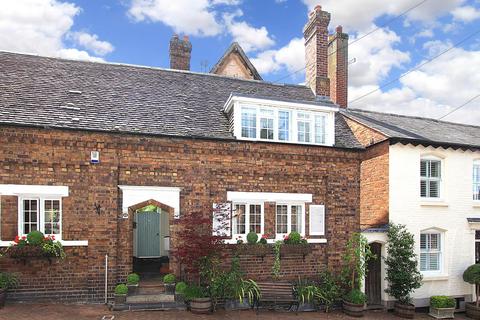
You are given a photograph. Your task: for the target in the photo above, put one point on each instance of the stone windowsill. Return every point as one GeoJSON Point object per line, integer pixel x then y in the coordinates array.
{"type": "Point", "coordinates": [272, 241]}
{"type": "Point", "coordinates": [439, 277]}
{"type": "Point", "coordinates": [476, 204]}
{"type": "Point", "coordinates": [65, 243]}
{"type": "Point", "coordinates": [433, 203]}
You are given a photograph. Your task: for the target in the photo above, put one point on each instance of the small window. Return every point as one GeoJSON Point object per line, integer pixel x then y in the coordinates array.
{"type": "Point", "coordinates": [255, 218]}
{"type": "Point", "coordinates": [289, 218]}
{"type": "Point", "coordinates": [430, 251]}
{"type": "Point", "coordinates": [476, 180]}
{"type": "Point", "coordinates": [430, 178]}
{"type": "Point", "coordinates": [239, 219]}
{"type": "Point", "coordinates": [249, 122]}
{"type": "Point", "coordinates": [266, 124]}
{"type": "Point", "coordinates": [31, 213]}
{"type": "Point", "coordinates": [303, 127]}
{"type": "Point", "coordinates": [320, 130]}
{"type": "Point", "coordinates": [247, 218]}
{"type": "Point", "coordinates": [52, 215]}
{"type": "Point", "coordinates": [297, 219]}
{"type": "Point", "coordinates": [282, 219]}
{"type": "Point", "coordinates": [284, 125]}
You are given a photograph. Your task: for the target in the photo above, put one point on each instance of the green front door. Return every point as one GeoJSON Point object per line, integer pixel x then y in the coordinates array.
{"type": "Point", "coordinates": [148, 234]}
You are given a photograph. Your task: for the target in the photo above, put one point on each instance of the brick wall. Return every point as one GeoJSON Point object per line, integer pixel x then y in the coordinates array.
{"type": "Point", "coordinates": [204, 169]}
{"type": "Point", "coordinates": [365, 135]}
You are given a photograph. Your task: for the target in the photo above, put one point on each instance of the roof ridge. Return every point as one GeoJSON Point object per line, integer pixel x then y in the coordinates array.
{"type": "Point", "coordinates": [120, 64]}
{"type": "Point", "coordinates": [411, 117]}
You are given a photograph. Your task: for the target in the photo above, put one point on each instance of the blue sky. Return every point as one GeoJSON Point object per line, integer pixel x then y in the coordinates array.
{"type": "Point", "coordinates": [270, 31]}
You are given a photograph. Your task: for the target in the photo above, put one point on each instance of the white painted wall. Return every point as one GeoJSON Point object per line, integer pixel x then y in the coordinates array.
{"type": "Point", "coordinates": [449, 214]}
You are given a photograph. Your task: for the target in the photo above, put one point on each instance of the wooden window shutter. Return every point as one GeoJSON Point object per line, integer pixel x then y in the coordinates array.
{"type": "Point", "coordinates": [222, 220]}
{"type": "Point", "coordinates": [317, 220]}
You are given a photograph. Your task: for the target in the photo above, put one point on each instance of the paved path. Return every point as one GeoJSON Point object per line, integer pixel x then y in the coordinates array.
{"type": "Point", "coordinates": [88, 312]}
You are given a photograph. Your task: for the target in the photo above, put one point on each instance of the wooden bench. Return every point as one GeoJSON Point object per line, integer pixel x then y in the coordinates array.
{"type": "Point", "coordinates": [276, 294]}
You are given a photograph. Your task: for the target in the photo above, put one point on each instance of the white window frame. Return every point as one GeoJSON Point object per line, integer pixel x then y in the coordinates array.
{"type": "Point", "coordinates": [247, 219]}
{"type": "Point", "coordinates": [279, 236]}
{"type": "Point", "coordinates": [476, 183]}
{"type": "Point", "coordinates": [440, 179]}
{"type": "Point", "coordinates": [40, 214]}
{"type": "Point", "coordinates": [441, 253]}
{"type": "Point", "coordinates": [257, 121]}
{"type": "Point", "coordinates": [329, 128]}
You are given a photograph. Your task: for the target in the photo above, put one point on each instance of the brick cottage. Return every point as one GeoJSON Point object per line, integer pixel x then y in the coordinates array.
{"type": "Point", "coordinates": [85, 145]}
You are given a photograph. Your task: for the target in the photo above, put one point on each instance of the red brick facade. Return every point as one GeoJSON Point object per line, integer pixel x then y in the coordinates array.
{"type": "Point", "coordinates": [204, 170]}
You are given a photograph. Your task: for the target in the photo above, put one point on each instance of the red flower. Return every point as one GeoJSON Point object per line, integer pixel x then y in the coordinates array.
{"type": "Point", "coordinates": [265, 236]}
{"type": "Point", "coordinates": [53, 237]}
{"type": "Point", "coordinates": [24, 237]}
{"type": "Point", "coordinates": [17, 239]}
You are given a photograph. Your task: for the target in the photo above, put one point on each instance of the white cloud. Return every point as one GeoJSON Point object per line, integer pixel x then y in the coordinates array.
{"type": "Point", "coordinates": [466, 13]}
{"type": "Point", "coordinates": [184, 16]}
{"type": "Point", "coordinates": [38, 26]}
{"type": "Point", "coordinates": [249, 38]}
{"type": "Point", "coordinates": [290, 57]}
{"type": "Point", "coordinates": [92, 43]}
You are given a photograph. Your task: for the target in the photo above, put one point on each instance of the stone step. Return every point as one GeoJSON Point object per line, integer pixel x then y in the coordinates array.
{"type": "Point", "coordinates": [150, 298]}
{"type": "Point", "coordinates": [163, 306]}
{"type": "Point", "coordinates": [151, 289]}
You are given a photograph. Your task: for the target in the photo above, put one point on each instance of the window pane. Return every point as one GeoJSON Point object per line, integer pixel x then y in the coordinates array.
{"type": "Point", "coordinates": [423, 168]}
{"type": "Point", "coordinates": [423, 241]}
{"type": "Point", "coordinates": [255, 218]}
{"type": "Point", "coordinates": [30, 212]}
{"type": "Point", "coordinates": [433, 190]}
{"type": "Point", "coordinates": [239, 219]}
{"type": "Point", "coordinates": [249, 122]}
{"type": "Point", "coordinates": [476, 182]}
{"type": "Point", "coordinates": [303, 127]}
{"type": "Point", "coordinates": [320, 129]}
{"type": "Point", "coordinates": [435, 169]}
{"type": "Point", "coordinates": [266, 124]}
{"type": "Point", "coordinates": [281, 219]}
{"type": "Point", "coordinates": [434, 261]}
{"type": "Point", "coordinates": [423, 261]}
{"type": "Point", "coordinates": [283, 125]}
{"type": "Point", "coordinates": [52, 216]}
{"type": "Point", "coordinates": [296, 219]}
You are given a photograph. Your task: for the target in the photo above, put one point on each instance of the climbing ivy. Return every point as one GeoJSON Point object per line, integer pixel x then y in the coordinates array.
{"type": "Point", "coordinates": [276, 262]}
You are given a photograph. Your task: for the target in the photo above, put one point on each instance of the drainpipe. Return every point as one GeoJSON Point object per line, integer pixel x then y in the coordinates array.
{"type": "Point", "coordinates": [106, 278]}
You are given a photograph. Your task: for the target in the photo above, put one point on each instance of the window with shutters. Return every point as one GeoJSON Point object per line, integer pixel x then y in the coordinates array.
{"type": "Point", "coordinates": [430, 251]}
{"type": "Point", "coordinates": [247, 217]}
{"type": "Point", "coordinates": [289, 218]}
{"type": "Point", "coordinates": [42, 214]}
{"type": "Point", "coordinates": [430, 178]}
{"type": "Point", "coordinates": [476, 180]}
{"type": "Point", "coordinates": [317, 220]}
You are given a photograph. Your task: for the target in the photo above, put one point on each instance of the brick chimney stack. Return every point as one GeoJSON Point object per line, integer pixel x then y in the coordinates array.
{"type": "Point", "coordinates": [315, 33]}
{"type": "Point", "coordinates": [180, 53]}
{"type": "Point", "coordinates": [338, 67]}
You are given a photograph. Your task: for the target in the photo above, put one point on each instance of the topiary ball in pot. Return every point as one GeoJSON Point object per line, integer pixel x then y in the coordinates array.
{"type": "Point", "coordinates": [252, 238]}
{"type": "Point", "coordinates": [263, 241]}
{"type": "Point", "coordinates": [294, 238]}
{"type": "Point", "coordinates": [169, 283]}
{"type": "Point", "coordinates": [35, 238]}
{"type": "Point", "coordinates": [121, 291]}
{"type": "Point", "coordinates": [133, 278]}
{"type": "Point", "coordinates": [180, 287]}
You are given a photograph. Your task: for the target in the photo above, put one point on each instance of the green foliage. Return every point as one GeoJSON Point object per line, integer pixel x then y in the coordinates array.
{"type": "Point", "coordinates": [401, 264]}
{"type": "Point", "coordinates": [193, 292]}
{"type": "Point", "coordinates": [35, 238]}
{"type": "Point", "coordinates": [355, 260]}
{"type": "Point", "coordinates": [8, 280]}
{"type": "Point", "coordinates": [442, 302]}
{"type": "Point", "coordinates": [249, 289]}
{"type": "Point", "coordinates": [328, 290]}
{"type": "Point", "coordinates": [472, 276]}
{"type": "Point", "coordinates": [276, 261]}
{"type": "Point", "coordinates": [355, 296]}
{"type": "Point", "coordinates": [262, 241]}
{"type": "Point", "coordinates": [121, 289]}
{"type": "Point", "coordinates": [304, 290]}
{"type": "Point", "coordinates": [180, 287]}
{"type": "Point", "coordinates": [293, 238]}
{"type": "Point", "coordinates": [169, 278]}
{"type": "Point", "coordinates": [252, 238]}
{"type": "Point", "coordinates": [54, 249]}
{"type": "Point", "coordinates": [133, 278]}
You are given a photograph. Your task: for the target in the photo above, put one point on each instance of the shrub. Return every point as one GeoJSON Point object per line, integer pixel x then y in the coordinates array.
{"type": "Point", "coordinates": [169, 278]}
{"type": "Point", "coordinates": [133, 278]}
{"type": "Point", "coordinates": [356, 296]}
{"type": "Point", "coordinates": [355, 261]}
{"type": "Point", "coordinates": [180, 287]}
{"type": "Point", "coordinates": [293, 238]}
{"type": "Point", "coordinates": [193, 291]}
{"type": "Point", "coordinates": [442, 302]}
{"type": "Point", "coordinates": [252, 238]}
{"type": "Point", "coordinates": [35, 238]}
{"type": "Point", "coordinates": [328, 290]}
{"type": "Point", "coordinates": [121, 289]}
{"type": "Point", "coordinates": [262, 241]}
{"type": "Point", "coordinates": [401, 264]}
{"type": "Point", "coordinates": [8, 280]}
{"type": "Point", "coordinates": [472, 276]}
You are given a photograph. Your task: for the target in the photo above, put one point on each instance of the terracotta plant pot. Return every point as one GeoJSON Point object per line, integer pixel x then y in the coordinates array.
{"type": "Point", "coordinates": [201, 305]}
{"type": "Point", "coordinates": [169, 288]}
{"type": "Point", "coordinates": [406, 311]}
{"type": "Point", "coordinates": [120, 298]}
{"type": "Point", "coordinates": [472, 311]}
{"type": "Point", "coordinates": [353, 309]}
{"type": "Point", "coordinates": [3, 297]}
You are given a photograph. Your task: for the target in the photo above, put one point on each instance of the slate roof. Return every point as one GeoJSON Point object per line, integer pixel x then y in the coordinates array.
{"type": "Point", "coordinates": [40, 91]}
{"type": "Point", "coordinates": [235, 47]}
{"type": "Point", "coordinates": [418, 129]}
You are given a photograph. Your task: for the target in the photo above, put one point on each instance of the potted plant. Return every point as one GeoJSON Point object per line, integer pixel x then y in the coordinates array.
{"type": "Point", "coordinates": [472, 276]}
{"type": "Point", "coordinates": [327, 291]}
{"type": "Point", "coordinates": [293, 243]}
{"type": "Point", "coordinates": [356, 257]}
{"type": "Point", "coordinates": [252, 238]}
{"type": "Point", "coordinates": [401, 264]}
{"type": "Point", "coordinates": [180, 288]}
{"type": "Point", "coordinates": [120, 295]}
{"type": "Point", "coordinates": [132, 283]}
{"type": "Point", "coordinates": [305, 291]}
{"type": "Point", "coordinates": [7, 281]}
{"type": "Point", "coordinates": [442, 307]}
{"type": "Point", "coordinates": [198, 300]}
{"type": "Point", "coordinates": [169, 283]}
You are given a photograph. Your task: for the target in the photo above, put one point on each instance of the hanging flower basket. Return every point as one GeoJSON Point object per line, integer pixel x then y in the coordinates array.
{"type": "Point", "coordinates": [27, 251]}
{"type": "Point", "coordinates": [295, 249]}
{"type": "Point", "coordinates": [254, 249]}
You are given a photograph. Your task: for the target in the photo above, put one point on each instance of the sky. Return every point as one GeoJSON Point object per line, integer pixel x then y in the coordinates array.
{"type": "Point", "coordinates": [425, 62]}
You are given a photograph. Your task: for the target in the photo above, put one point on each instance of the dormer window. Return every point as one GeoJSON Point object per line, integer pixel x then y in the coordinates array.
{"type": "Point", "coordinates": [277, 121]}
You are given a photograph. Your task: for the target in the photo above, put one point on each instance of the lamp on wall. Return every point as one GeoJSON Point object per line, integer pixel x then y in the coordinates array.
{"type": "Point", "coordinates": [97, 208]}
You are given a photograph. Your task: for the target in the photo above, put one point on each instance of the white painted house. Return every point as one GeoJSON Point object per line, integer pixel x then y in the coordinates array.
{"type": "Point", "coordinates": [430, 172]}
